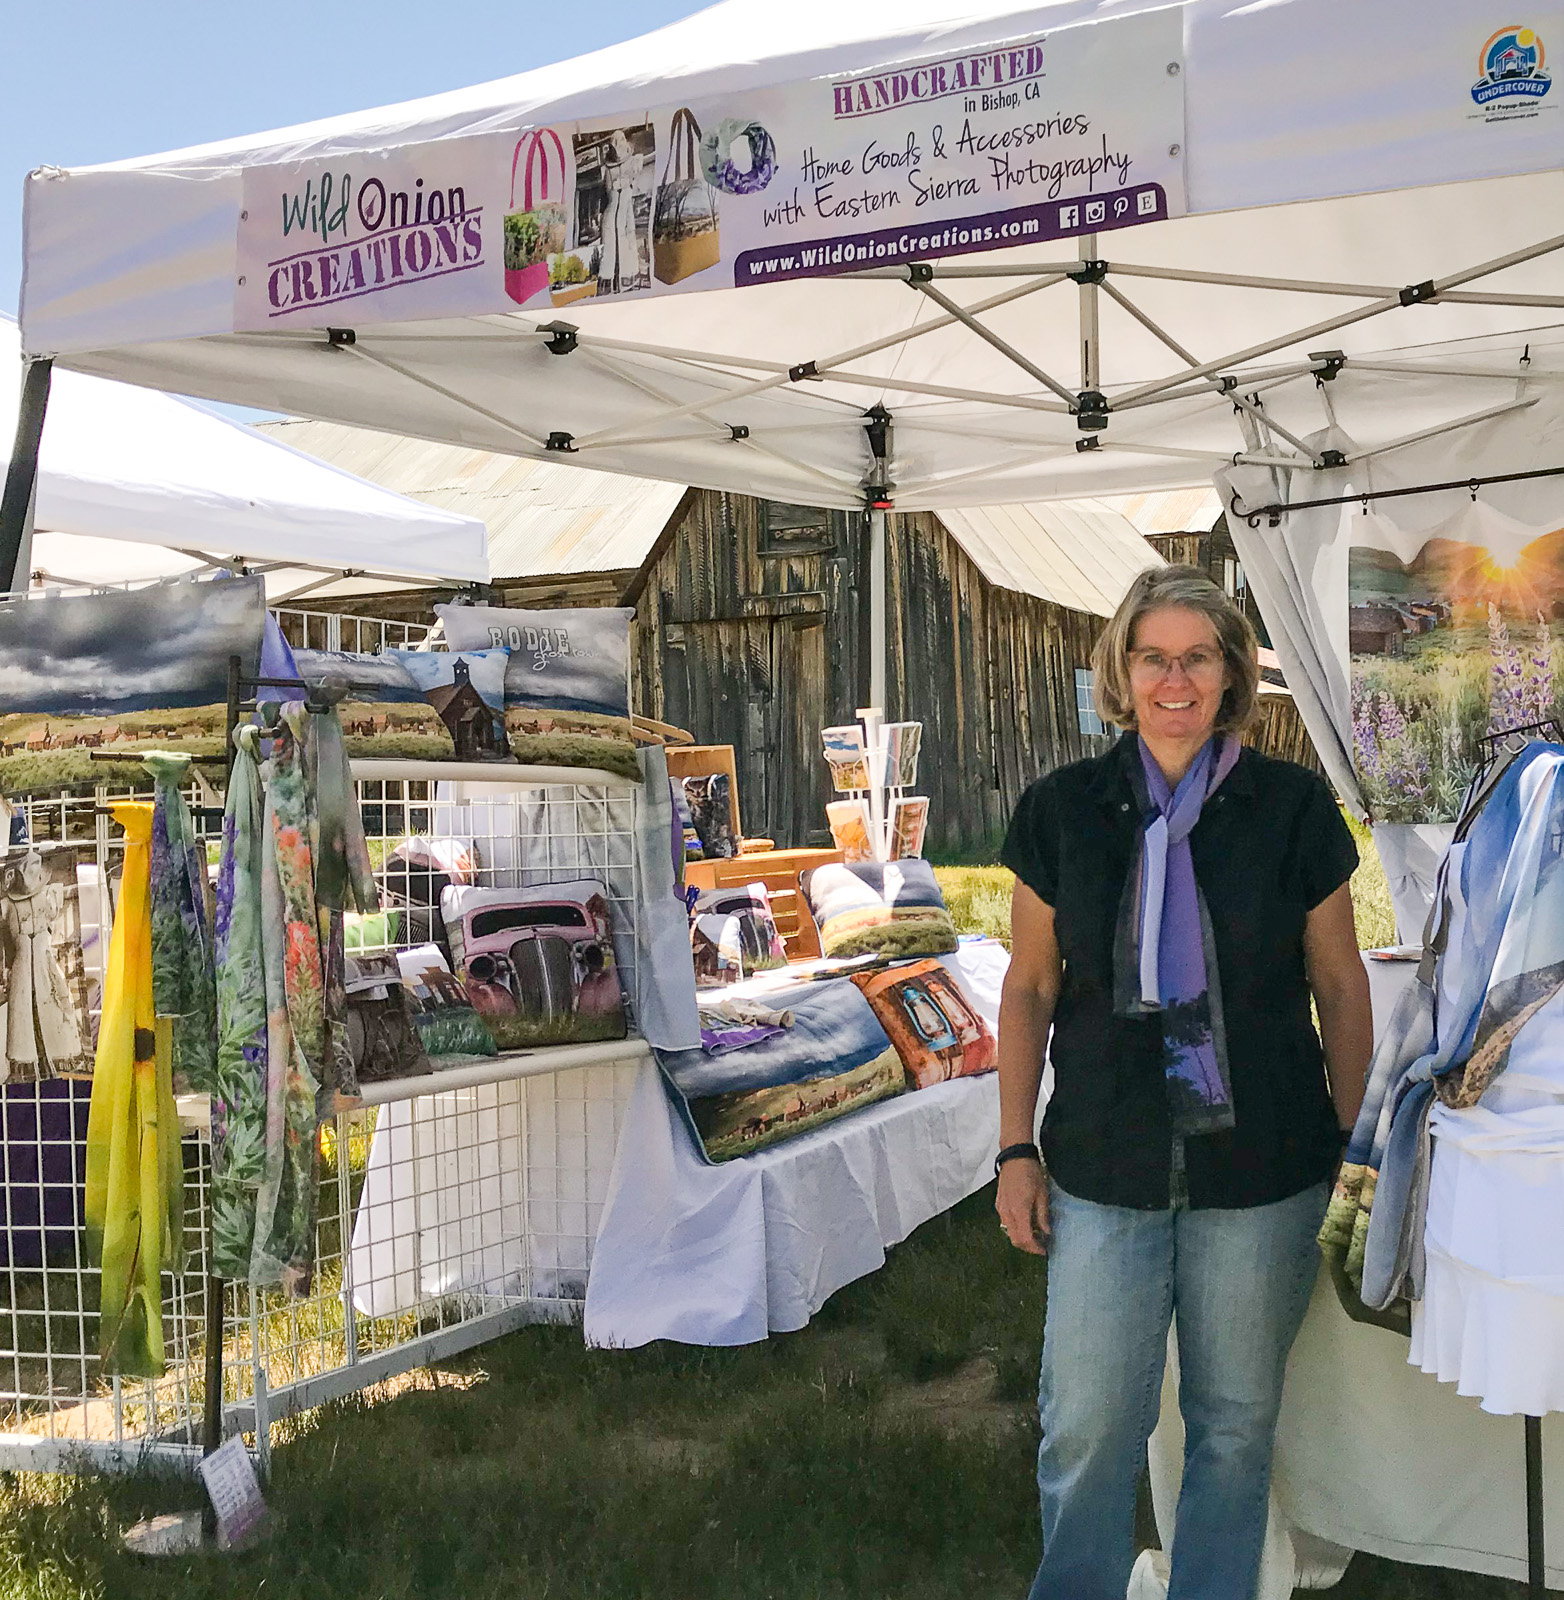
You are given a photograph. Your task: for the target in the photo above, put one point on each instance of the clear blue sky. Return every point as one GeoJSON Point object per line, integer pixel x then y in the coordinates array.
{"type": "Point", "coordinates": [83, 81]}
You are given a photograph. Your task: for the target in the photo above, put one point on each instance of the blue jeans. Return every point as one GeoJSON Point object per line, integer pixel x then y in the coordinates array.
{"type": "Point", "coordinates": [1240, 1282]}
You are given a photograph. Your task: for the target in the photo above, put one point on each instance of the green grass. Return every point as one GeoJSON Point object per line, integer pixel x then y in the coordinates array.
{"type": "Point", "coordinates": [885, 1450]}
{"type": "Point", "coordinates": [978, 897]}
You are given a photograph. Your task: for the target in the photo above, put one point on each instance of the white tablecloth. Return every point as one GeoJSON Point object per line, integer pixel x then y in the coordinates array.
{"type": "Point", "coordinates": [511, 1189]}
{"type": "Point", "coordinates": [725, 1254]}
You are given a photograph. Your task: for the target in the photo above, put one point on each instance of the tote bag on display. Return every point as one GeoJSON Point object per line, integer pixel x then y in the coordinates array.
{"type": "Point", "coordinates": [684, 221]}
{"type": "Point", "coordinates": [535, 231]}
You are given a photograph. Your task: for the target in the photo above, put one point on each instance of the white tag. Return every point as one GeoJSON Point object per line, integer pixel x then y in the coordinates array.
{"type": "Point", "coordinates": [235, 1494]}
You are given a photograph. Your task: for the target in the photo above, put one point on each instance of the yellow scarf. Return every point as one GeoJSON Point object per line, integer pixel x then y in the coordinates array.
{"type": "Point", "coordinates": [134, 1180]}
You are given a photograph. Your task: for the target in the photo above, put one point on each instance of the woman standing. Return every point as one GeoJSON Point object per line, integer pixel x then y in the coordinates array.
{"type": "Point", "coordinates": [620, 266]}
{"type": "Point", "coordinates": [1178, 901]}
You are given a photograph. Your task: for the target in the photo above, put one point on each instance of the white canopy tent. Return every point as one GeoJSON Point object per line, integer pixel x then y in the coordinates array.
{"type": "Point", "coordinates": [951, 374]}
{"type": "Point", "coordinates": [135, 485]}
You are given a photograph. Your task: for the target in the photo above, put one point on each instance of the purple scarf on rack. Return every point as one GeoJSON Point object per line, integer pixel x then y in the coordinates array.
{"type": "Point", "coordinates": [1164, 953]}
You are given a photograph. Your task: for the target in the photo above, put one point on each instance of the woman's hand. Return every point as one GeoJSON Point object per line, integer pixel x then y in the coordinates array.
{"type": "Point", "coordinates": [1022, 1204]}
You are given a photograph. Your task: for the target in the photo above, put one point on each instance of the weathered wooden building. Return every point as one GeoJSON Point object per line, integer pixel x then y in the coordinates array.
{"type": "Point", "coordinates": [752, 620]}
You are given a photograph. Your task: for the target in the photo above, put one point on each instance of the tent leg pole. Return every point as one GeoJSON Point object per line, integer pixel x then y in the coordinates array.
{"type": "Point", "coordinates": [21, 479]}
{"type": "Point", "coordinates": [1536, 1565]}
{"type": "Point", "coordinates": [877, 684]}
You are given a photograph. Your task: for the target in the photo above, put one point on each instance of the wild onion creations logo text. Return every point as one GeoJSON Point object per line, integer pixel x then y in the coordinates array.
{"type": "Point", "coordinates": [358, 236]}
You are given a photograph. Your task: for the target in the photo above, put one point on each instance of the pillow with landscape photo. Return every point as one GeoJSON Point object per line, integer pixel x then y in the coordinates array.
{"type": "Point", "coordinates": [836, 1058]}
{"type": "Point", "coordinates": [937, 1032]}
{"type": "Point", "coordinates": [567, 685]}
{"type": "Point", "coordinates": [118, 673]}
{"type": "Point", "coordinates": [886, 908]}
{"type": "Point", "coordinates": [424, 705]}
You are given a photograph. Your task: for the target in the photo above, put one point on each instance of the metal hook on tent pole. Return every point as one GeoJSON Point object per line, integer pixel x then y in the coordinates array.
{"type": "Point", "coordinates": [1473, 485]}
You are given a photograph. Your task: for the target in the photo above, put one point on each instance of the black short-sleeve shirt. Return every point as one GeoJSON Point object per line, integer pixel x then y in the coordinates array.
{"type": "Point", "coordinates": [1270, 845]}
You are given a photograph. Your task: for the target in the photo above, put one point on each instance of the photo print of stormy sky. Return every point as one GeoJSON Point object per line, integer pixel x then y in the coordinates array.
{"type": "Point", "coordinates": [120, 671]}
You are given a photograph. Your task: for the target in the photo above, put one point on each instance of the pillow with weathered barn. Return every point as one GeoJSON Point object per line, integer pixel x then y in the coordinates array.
{"type": "Point", "coordinates": [733, 933]}
{"type": "Point", "coordinates": [887, 908]}
{"type": "Point", "coordinates": [422, 705]}
{"type": "Point", "coordinates": [937, 1032]}
{"type": "Point", "coordinates": [834, 1059]}
{"type": "Point", "coordinates": [567, 683]}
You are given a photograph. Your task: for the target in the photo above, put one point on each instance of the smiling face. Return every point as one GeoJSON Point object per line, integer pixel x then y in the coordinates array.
{"type": "Point", "coordinates": [1177, 675]}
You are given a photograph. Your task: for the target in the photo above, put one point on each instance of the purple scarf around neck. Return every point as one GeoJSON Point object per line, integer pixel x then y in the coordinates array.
{"type": "Point", "coordinates": [1164, 954]}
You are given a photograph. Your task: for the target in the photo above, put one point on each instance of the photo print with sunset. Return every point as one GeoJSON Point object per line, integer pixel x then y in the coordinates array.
{"type": "Point", "coordinates": [119, 673]}
{"type": "Point", "coordinates": [1453, 633]}
{"type": "Point", "coordinates": [567, 682]}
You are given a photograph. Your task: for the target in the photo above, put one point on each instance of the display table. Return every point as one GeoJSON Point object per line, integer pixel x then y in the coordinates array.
{"type": "Point", "coordinates": [1371, 1454]}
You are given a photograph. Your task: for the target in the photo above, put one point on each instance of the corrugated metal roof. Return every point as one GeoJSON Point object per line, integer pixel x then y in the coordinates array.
{"type": "Point", "coordinates": [1167, 510]}
{"type": "Point", "coordinates": [544, 520]}
{"type": "Point", "coordinates": [1076, 553]}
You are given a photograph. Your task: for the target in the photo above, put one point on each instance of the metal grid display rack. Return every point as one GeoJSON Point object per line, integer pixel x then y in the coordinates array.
{"type": "Point", "coordinates": [453, 1207]}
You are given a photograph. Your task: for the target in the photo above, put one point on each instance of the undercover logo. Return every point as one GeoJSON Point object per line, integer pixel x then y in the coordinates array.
{"type": "Point", "coordinates": [364, 237]}
{"type": "Point", "coordinates": [1511, 64]}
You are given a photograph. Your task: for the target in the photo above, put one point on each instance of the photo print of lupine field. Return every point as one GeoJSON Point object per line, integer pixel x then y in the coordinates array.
{"type": "Point", "coordinates": [1452, 634]}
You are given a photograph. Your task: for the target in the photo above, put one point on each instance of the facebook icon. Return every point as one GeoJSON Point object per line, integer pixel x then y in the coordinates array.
{"type": "Point", "coordinates": [1069, 216]}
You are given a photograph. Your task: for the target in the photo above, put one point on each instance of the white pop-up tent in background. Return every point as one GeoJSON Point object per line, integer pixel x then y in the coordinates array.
{"type": "Point", "coordinates": [134, 485]}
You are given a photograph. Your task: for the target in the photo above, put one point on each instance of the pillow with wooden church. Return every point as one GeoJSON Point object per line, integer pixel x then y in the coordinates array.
{"type": "Point", "coordinates": [429, 705]}
{"type": "Point", "coordinates": [937, 1032]}
{"type": "Point", "coordinates": [886, 908]}
{"type": "Point", "coordinates": [567, 683]}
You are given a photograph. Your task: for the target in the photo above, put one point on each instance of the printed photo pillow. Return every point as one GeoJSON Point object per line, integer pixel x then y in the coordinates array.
{"type": "Point", "coordinates": [537, 964]}
{"type": "Point", "coordinates": [567, 684]}
{"type": "Point", "coordinates": [887, 908]}
{"type": "Point", "coordinates": [119, 673]}
{"type": "Point", "coordinates": [733, 933]}
{"type": "Point", "coordinates": [937, 1032]}
{"type": "Point", "coordinates": [446, 1021]}
{"type": "Point", "coordinates": [422, 705]}
{"type": "Point", "coordinates": [834, 1059]}
{"type": "Point", "coordinates": [711, 810]}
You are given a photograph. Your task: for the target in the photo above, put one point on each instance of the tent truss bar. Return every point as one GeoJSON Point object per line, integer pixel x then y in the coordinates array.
{"type": "Point", "coordinates": [987, 334]}
{"type": "Point", "coordinates": [1122, 300]}
{"type": "Point", "coordinates": [1269, 424]}
{"type": "Point", "coordinates": [1279, 509]}
{"type": "Point", "coordinates": [440, 389]}
{"type": "Point", "coordinates": [1443, 427]}
{"type": "Point", "coordinates": [821, 368]}
{"type": "Point", "coordinates": [1088, 274]}
{"type": "Point", "coordinates": [1416, 294]}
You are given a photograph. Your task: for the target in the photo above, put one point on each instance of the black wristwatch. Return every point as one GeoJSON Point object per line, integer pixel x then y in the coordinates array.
{"type": "Point", "coordinates": [1016, 1152]}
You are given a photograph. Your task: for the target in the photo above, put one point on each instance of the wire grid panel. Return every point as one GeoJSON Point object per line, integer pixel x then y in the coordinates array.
{"type": "Point", "coordinates": [56, 1401]}
{"type": "Point", "coordinates": [332, 630]}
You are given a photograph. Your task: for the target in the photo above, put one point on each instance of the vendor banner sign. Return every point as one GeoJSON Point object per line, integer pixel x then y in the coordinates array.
{"type": "Point", "coordinates": [1042, 137]}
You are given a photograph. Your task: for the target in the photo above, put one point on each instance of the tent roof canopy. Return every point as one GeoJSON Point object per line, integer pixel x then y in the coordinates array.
{"type": "Point", "coordinates": [124, 463]}
{"type": "Point", "coordinates": [1384, 293]}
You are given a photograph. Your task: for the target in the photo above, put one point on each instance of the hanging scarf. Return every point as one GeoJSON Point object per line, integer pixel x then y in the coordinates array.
{"type": "Point", "coordinates": [134, 1176]}
{"type": "Point", "coordinates": [1164, 952]}
{"type": "Point", "coordinates": [239, 1102]}
{"type": "Point", "coordinates": [284, 1250]}
{"type": "Point", "coordinates": [344, 877]}
{"type": "Point", "coordinates": [1449, 1040]}
{"type": "Point", "coordinates": [184, 979]}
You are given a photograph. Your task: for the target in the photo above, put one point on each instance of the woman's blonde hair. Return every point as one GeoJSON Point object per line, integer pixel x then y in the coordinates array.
{"type": "Point", "coordinates": [1191, 589]}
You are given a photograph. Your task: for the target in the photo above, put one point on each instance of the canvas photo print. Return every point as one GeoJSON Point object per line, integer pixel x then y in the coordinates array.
{"type": "Point", "coordinates": [1453, 633]}
{"type": "Point", "coordinates": [847, 757]}
{"type": "Point", "coordinates": [537, 964]}
{"type": "Point", "coordinates": [46, 1024]}
{"type": "Point", "coordinates": [836, 1058]}
{"type": "Point", "coordinates": [567, 681]}
{"type": "Point", "coordinates": [937, 1032]}
{"type": "Point", "coordinates": [118, 673]}
{"type": "Point", "coordinates": [429, 705]}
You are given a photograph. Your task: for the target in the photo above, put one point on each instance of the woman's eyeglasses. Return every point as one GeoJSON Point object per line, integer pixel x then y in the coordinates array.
{"type": "Point", "coordinates": [1200, 665]}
